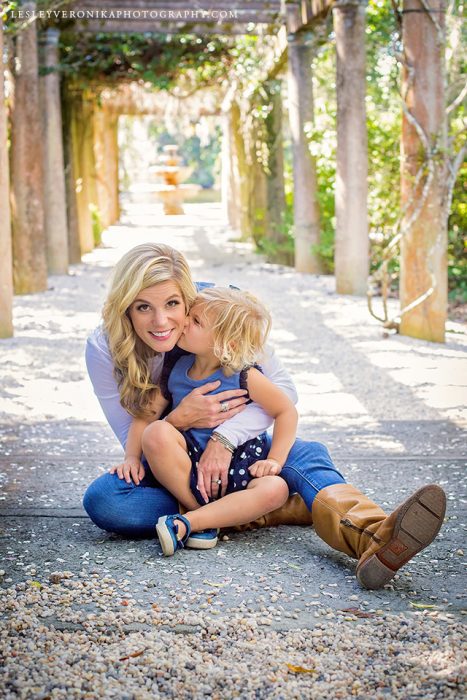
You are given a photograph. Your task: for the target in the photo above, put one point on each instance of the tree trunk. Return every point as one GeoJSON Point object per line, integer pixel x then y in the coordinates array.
{"type": "Point", "coordinates": [56, 225]}
{"type": "Point", "coordinates": [29, 242]}
{"type": "Point", "coordinates": [306, 206]}
{"type": "Point", "coordinates": [352, 243]}
{"type": "Point", "coordinates": [424, 243]}
{"type": "Point", "coordinates": [6, 262]}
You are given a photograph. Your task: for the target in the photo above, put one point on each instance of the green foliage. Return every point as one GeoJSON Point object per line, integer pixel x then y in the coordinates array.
{"type": "Point", "coordinates": [97, 227]}
{"type": "Point", "coordinates": [204, 158]}
{"type": "Point", "coordinates": [156, 59]}
{"type": "Point", "coordinates": [457, 243]}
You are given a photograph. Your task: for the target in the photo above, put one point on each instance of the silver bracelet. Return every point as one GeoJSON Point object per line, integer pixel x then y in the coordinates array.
{"type": "Point", "coordinates": [217, 437]}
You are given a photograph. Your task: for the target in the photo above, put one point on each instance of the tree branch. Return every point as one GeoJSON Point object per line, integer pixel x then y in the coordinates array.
{"type": "Point", "coordinates": [460, 97]}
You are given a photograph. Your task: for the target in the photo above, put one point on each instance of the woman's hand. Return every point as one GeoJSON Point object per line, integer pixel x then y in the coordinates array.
{"type": "Point", "coordinates": [213, 466]}
{"type": "Point", "coordinates": [265, 467]}
{"type": "Point", "coordinates": [197, 410]}
{"type": "Point", "coordinates": [130, 469]}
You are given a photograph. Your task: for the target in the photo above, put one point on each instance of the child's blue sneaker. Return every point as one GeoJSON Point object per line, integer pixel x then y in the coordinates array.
{"type": "Point", "coordinates": [167, 532]}
{"type": "Point", "coordinates": [206, 539]}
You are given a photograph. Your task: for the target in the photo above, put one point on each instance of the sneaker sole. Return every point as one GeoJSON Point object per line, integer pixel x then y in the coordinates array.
{"type": "Point", "coordinates": [196, 543]}
{"type": "Point", "coordinates": [165, 540]}
{"type": "Point", "coordinates": [418, 522]}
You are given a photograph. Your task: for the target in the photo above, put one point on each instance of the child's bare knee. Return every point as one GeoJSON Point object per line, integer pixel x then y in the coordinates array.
{"type": "Point", "coordinates": [276, 491]}
{"type": "Point", "coordinates": [157, 435]}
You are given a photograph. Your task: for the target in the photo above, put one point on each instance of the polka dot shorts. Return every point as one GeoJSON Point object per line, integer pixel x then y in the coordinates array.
{"type": "Point", "coordinates": [243, 457]}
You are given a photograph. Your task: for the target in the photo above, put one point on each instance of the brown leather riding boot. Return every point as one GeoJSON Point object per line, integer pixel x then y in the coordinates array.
{"type": "Point", "coordinates": [351, 523]}
{"type": "Point", "coordinates": [293, 512]}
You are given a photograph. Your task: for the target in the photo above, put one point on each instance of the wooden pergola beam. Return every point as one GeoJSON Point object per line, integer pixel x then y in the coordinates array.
{"type": "Point", "coordinates": [178, 16]}
{"type": "Point", "coordinates": [138, 27]}
{"type": "Point", "coordinates": [193, 6]}
{"type": "Point", "coordinates": [302, 15]}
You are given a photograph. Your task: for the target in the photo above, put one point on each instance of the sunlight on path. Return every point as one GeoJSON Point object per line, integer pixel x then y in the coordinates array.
{"type": "Point", "coordinates": [347, 374]}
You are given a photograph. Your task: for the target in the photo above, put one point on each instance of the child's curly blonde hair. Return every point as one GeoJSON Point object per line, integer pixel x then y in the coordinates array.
{"type": "Point", "coordinates": [240, 324]}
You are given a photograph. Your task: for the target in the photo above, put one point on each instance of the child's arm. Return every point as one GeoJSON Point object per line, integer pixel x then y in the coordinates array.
{"type": "Point", "coordinates": [131, 467]}
{"type": "Point", "coordinates": [285, 415]}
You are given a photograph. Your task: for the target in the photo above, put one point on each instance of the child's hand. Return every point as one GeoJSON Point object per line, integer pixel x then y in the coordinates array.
{"type": "Point", "coordinates": [265, 467]}
{"type": "Point", "coordinates": [130, 469]}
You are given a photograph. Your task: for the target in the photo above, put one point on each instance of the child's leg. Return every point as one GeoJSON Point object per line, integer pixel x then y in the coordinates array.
{"type": "Point", "coordinates": [165, 449]}
{"type": "Point", "coordinates": [260, 497]}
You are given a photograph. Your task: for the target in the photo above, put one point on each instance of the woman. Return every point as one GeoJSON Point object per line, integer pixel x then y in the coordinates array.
{"type": "Point", "coordinates": [144, 316]}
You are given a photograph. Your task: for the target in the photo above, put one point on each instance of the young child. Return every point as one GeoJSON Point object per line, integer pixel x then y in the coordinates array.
{"type": "Point", "coordinates": [225, 333]}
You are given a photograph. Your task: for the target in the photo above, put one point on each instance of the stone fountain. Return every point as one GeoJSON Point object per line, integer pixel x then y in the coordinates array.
{"type": "Point", "coordinates": [172, 192]}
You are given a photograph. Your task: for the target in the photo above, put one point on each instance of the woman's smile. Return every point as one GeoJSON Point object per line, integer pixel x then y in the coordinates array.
{"type": "Point", "coordinates": [161, 334]}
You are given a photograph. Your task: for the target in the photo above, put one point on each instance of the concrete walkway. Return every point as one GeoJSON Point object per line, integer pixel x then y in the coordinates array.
{"type": "Point", "coordinates": [390, 410]}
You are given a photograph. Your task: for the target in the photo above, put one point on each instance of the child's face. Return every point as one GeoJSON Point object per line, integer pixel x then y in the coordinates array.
{"type": "Point", "coordinates": [197, 336]}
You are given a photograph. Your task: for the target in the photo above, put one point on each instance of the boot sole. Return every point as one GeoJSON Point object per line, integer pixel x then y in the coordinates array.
{"type": "Point", "coordinates": [418, 522]}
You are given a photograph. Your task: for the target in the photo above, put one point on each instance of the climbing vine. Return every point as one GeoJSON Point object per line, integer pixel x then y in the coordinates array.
{"type": "Point", "coordinates": [158, 60]}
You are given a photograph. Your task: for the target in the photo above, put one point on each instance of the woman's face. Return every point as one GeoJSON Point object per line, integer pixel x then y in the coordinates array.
{"type": "Point", "coordinates": [158, 315]}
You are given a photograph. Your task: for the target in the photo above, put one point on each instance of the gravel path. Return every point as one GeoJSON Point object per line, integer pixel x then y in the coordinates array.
{"type": "Point", "coordinates": [123, 650]}
{"type": "Point", "coordinates": [267, 614]}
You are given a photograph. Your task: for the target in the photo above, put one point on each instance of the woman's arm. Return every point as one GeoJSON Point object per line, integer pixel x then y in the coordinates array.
{"type": "Point", "coordinates": [285, 415]}
{"type": "Point", "coordinates": [131, 468]}
{"type": "Point", "coordinates": [100, 368]}
{"type": "Point", "coordinates": [101, 373]}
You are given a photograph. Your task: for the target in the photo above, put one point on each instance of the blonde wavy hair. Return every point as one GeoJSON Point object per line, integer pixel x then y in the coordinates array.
{"type": "Point", "coordinates": [240, 324]}
{"type": "Point", "coordinates": [142, 267]}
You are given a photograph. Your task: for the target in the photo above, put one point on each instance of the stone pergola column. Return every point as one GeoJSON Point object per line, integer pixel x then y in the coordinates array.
{"type": "Point", "coordinates": [56, 225]}
{"type": "Point", "coordinates": [306, 206]}
{"type": "Point", "coordinates": [102, 184]}
{"type": "Point", "coordinates": [29, 242]}
{"type": "Point", "coordinates": [6, 273]}
{"type": "Point", "coordinates": [228, 181]}
{"type": "Point", "coordinates": [423, 146]}
{"type": "Point", "coordinates": [106, 165]}
{"type": "Point", "coordinates": [111, 166]}
{"type": "Point", "coordinates": [258, 198]}
{"type": "Point", "coordinates": [74, 246]}
{"type": "Point", "coordinates": [83, 169]}
{"type": "Point", "coordinates": [352, 243]}
{"type": "Point", "coordinates": [240, 169]}
{"type": "Point", "coordinates": [275, 185]}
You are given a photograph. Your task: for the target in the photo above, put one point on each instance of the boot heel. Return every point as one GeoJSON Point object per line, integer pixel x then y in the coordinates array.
{"type": "Point", "coordinates": [373, 574]}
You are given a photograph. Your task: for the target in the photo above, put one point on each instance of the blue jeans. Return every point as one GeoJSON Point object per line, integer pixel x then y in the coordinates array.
{"type": "Point", "coordinates": [133, 511]}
